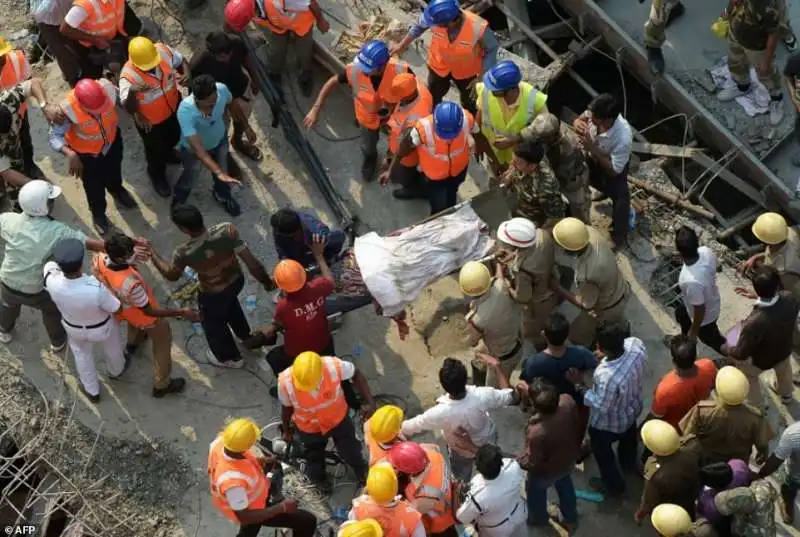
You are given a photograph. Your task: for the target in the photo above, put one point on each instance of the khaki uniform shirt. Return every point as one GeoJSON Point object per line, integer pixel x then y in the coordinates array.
{"type": "Point", "coordinates": [497, 316]}
{"type": "Point", "coordinates": [727, 432]}
{"type": "Point", "coordinates": [534, 268]}
{"type": "Point", "coordinates": [673, 478]}
{"type": "Point", "coordinates": [786, 260]}
{"type": "Point", "coordinates": [598, 278]}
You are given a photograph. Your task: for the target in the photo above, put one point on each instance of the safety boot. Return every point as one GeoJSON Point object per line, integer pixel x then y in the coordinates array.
{"type": "Point", "coordinates": [655, 60]}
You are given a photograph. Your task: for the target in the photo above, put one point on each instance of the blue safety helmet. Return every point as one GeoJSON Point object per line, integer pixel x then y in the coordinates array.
{"type": "Point", "coordinates": [439, 12]}
{"type": "Point", "coordinates": [448, 119]}
{"type": "Point", "coordinates": [373, 55]}
{"type": "Point", "coordinates": [505, 75]}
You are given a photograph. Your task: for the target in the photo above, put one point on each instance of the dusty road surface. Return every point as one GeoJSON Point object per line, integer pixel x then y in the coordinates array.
{"type": "Point", "coordinates": [183, 426]}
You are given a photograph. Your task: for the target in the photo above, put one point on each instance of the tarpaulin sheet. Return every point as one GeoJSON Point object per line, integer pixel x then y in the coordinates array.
{"type": "Point", "coordinates": [396, 268]}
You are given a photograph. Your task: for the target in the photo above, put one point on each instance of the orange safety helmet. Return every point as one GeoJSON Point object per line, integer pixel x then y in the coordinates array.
{"type": "Point", "coordinates": [91, 96]}
{"type": "Point", "coordinates": [289, 276]}
{"type": "Point", "coordinates": [239, 13]}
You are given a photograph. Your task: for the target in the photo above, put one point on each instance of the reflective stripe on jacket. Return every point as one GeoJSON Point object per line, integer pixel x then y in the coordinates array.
{"type": "Point", "coordinates": [322, 410]}
{"type": "Point", "coordinates": [406, 116]}
{"type": "Point", "coordinates": [105, 19]}
{"type": "Point", "coordinates": [121, 283]}
{"type": "Point", "coordinates": [225, 473]}
{"type": "Point", "coordinates": [494, 123]}
{"type": "Point", "coordinates": [398, 518]}
{"type": "Point", "coordinates": [367, 101]}
{"type": "Point", "coordinates": [441, 159]}
{"type": "Point", "coordinates": [15, 71]}
{"type": "Point", "coordinates": [434, 484]}
{"type": "Point", "coordinates": [461, 58]}
{"type": "Point", "coordinates": [157, 97]}
{"type": "Point", "coordinates": [273, 14]}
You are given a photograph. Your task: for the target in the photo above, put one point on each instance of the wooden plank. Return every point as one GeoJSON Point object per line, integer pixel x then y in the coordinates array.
{"type": "Point", "coordinates": [663, 150]}
{"type": "Point", "coordinates": [730, 178]}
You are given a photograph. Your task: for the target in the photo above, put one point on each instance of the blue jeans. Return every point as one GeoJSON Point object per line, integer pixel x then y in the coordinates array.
{"type": "Point", "coordinates": [191, 165]}
{"type": "Point", "coordinates": [443, 194]}
{"type": "Point", "coordinates": [536, 490]}
{"type": "Point", "coordinates": [602, 443]}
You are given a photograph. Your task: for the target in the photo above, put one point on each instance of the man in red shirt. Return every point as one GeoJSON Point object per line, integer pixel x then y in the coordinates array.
{"type": "Point", "coordinates": [300, 312]}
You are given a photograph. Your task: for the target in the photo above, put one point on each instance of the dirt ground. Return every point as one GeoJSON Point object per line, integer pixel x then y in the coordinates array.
{"type": "Point", "coordinates": [188, 423]}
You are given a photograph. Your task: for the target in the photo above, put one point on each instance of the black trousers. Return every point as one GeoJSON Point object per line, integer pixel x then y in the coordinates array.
{"type": "Point", "coordinates": [348, 448]}
{"type": "Point", "coordinates": [279, 361]}
{"type": "Point", "coordinates": [616, 188]}
{"type": "Point", "coordinates": [708, 334]}
{"type": "Point", "coordinates": [159, 144]}
{"type": "Point", "coordinates": [101, 173]}
{"type": "Point", "coordinates": [301, 522]}
{"type": "Point", "coordinates": [440, 85]}
{"type": "Point", "coordinates": [222, 313]}
{"type": "Point", "coordinates": [443, 193]}
{"type": "Point", "coordinates": [27, 145]}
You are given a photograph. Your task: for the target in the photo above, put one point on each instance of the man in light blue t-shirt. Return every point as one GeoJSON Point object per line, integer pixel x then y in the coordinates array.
{"type": "Point", "coordinates": [204, 118]}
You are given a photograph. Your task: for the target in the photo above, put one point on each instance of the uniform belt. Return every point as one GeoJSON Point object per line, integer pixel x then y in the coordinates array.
{"type": "Point", "coordinates": [620, 299]}
{"type": "Point", "coordinates": [512, 353]}
{"type": "Point", "coordinates": [98, 325]}
{"type": "Point", "coordinates": [506, 519]}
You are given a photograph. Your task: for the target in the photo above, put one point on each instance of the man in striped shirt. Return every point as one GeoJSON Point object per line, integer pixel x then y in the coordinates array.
{"type": "Point", "coordinates": [616, 401]}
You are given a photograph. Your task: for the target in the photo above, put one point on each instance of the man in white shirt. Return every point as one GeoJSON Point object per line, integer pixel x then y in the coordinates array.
{"type": "Point", "coordinates": [87, 312]}
{"type": "Point", "coordinates": [462, 415]}
{"type": "Point", "coordinates": [699, 310]}
{"type": "Point", "coordinates": [494, 503]}
{"type": "Point", "coordinates": [606, 139]}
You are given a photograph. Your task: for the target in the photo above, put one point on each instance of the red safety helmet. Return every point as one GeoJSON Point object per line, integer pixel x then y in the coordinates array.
{"type": "Point", "coordinates": [91, 96]}
{"type": "Point", "coordinates": [408, 458]}
{"type": "Point", "coordinates": [239, 13]}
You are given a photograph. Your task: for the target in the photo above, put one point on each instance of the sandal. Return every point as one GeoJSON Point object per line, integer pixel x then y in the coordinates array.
{"type": "Point", "coordinates": [249, 150]}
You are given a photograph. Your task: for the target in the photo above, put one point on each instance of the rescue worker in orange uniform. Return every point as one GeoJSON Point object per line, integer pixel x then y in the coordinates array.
{"type": "Point", "coordinates": [424, 478]}
{"type": "Point", "coordinates": [413, 102]}
{"type": "Point", "coordinates": [370, 76]}
{"type": "Point", "coordinates": [360, 528]}
{"type": "Point", "coordinates": [382, 431]}
{"type": "Point", "coordinates": [116, 269]}
{"type": "Point", "coordinates": [148, 89]}
{"type": "Point", "coordinates": [241, 487]}
{"type": "Point", "coordinates": [312, 397]}
{"type": "Point", "coordinates": [290, 20]}
{"type": "Point", "coordinates": [462, 48]}
{"type": "Point", "coordinates": [15, 69]}
{"type": "Point", "coordinates": [443, 141]}
{"type": "Point", "coordinates": [91, 139]}
{"type": "Point", "coordinates": [397, 517]}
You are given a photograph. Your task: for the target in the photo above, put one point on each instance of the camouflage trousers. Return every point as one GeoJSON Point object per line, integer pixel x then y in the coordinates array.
{"type": "Point", "coordinates": [580, 198]}
{"type": "Point", "coordinates": [741, 59]}
{"type": "Point", "coordinates": [655, 27]}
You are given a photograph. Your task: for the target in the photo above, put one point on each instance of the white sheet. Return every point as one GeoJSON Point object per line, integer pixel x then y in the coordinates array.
{"type": "Point", "coordinates": [754, 103]}
{"type": "Point", "coordinates": [397, 268]}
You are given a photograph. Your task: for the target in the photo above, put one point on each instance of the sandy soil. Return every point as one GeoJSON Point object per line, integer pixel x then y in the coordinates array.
{"type": "Point", "coordinates": [407, 369]}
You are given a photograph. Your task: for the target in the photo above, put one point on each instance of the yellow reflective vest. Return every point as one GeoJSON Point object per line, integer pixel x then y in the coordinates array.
{"type": "Point", "coordinates": [494, 123]}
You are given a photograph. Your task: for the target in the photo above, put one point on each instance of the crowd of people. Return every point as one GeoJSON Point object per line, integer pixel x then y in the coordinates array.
{"type": "Point", "coordinates": [583, 386]}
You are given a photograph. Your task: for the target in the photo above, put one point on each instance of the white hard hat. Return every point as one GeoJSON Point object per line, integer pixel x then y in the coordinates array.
{"type": "Point", "coordinates": [519, 232]}
{"type": "Point", "coordinates": [34, 195]}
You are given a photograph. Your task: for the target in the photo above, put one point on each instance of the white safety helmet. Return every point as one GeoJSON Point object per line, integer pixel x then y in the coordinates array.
{"type": "Point", "coordinates": [34, 195]}
{"type": "Point", "coordinates": [517, 232]}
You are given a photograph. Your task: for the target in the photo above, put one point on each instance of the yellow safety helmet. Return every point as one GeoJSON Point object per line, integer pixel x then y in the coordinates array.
{"type": "Point", "coordinates": [143, 53]}
{"type": "Point", "coordinates": [474, 278]}
{"type": "Point", "coordinates": [660, 437]}
{"type": "Point", "coordinates": [5, 46]}
{"type": "Point", "coordinates": [571, 234]}
{"type": "Point", "coordinates": [240, 435]}
{"type": "Point", "coordinates": [671, 520]}
{"type": "Point", "coordinates": [369, 527]}
{"type": "Point", "coordinates": [770, 228]}
{"type": "Point", "coordinates": [384, 425]}
{"type": "Point", "coordinates": [382, 483]}
{"type": "Point", "coordinates": [307, 371]}
{"type": "Point", "coordinates": [732, 385]}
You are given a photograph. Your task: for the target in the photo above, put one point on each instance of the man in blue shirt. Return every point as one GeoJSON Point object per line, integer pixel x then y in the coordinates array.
{"type": "Point", "coordinates": [293, 233]}
{"type": "Point", "coordinates": [204, 118]}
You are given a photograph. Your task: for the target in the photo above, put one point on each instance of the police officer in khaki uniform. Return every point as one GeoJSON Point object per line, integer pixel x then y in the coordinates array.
{"type": "Point", "coordinates": [728, 428]}
{"type": "Point", "coordinates": [531, 264]}
{"type": "Point", "coordinates": [603, 292]}
{"type": "Point", "coordinates": [671, 472]}
{"type": "Point", "coordinates": [671, 520]}
{"type": "Point", "coordinates": [494, 318]}
{"type": "Point", "coordinates": [567, 160]}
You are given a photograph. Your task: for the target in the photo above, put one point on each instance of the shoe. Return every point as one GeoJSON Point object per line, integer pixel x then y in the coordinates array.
{"type": "Point", "coordinates": [273, 392]}
{"type": "Point", "coordinates": [162, 188]}
{"type": "Point", "coordinates": [306, 85]}
{"type": "Point", "coordinates": [58, 348]}
{"type": "Point", "coordinates": [90, 397]}
{"type": "Point", "coordinates": [233, 167]}
{"type": "Point", "coordinates": [103, 226]}
{"type": "Point", "coordinates": [229, 204]}
{"type": "Point", "coordinates": [176, 385]}
{"type": "Point", "coordinates": [655, 59]}
{"type": "Point", "coordinates": [174, 158]}
{"type": "Point", "coordinates": [676, 13]}
{"type": "Point", "coordinates": [124, 198]}
{"type": "Point", "coordinates": [790, 42]}
{"type": "Point", "coordinates": [404, 193]}
{"type": "Point", "coordinates": [125, 366]}
{"type": "Point", "coordinates": [368, 168]}
{"type": "Point", "coordinates": [5, 338]}
{"type": "Point", "coordinates": [776, 112]}
{"type": "Point", "coordinates": [596, 485]}
{"type": "Point", "coordinates": [731, 92]}
{"type": "Point", "coordinates": [228, 364]}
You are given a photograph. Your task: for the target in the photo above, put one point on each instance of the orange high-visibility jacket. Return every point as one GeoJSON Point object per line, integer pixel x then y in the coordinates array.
{"type": "Point", "coordinates": [158, 96]}
{"type": "Point", "coordinates": [367, 101]}
{"type": "Point", "coordinates": [322, 410]}
{"type": "Point", "coordinates": [106, 18]}
{"type": "Point", "coordinates": [280, 20]}
{"type": "Point", "coordinates": [398, 518]}
{"type": "Point", "coordinates": [441, 159]}
{"type": "Point", "coordinates": [225, 473]}
{"type": "Point", "coordinates": [462, 57]}
{"type": "Point", "coordinates": [15, 71]}
{"type": "Point", "coordinates": [88, 134]}
{"type": "Point", "coordinates": [434, 484]}
{"type": "Point", "coordinates": [406, 116]}
{"type": "Point", "coordinates": [121, 283]}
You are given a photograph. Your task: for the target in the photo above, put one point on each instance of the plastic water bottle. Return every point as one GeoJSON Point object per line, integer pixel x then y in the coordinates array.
{"type": "Point", "coordinates": [632, 219]}
{"type": "Point", "coordinates": [198, 328]}
{"type": "Point", "coordinates": [341, 513]}
{"type": "Point", "coordinates": [189, 273]}
{"type": "Point", "coordinates": [250, 303]}
{"type": "Point", "coordinates": [357, 350]}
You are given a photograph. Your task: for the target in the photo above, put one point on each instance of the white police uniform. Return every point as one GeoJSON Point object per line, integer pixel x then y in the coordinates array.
{"type": "Point", "coordinates": [495, 506]}
{"type": "Point", "coordinates": [87, 308]}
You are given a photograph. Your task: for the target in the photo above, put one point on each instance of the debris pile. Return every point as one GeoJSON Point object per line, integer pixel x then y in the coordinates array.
{"type": "Point", "coordinates": [376, 27]}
